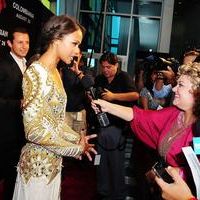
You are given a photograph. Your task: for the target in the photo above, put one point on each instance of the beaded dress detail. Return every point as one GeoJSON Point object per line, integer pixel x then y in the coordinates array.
{"type": "Point", "coordinates": [49, 137]}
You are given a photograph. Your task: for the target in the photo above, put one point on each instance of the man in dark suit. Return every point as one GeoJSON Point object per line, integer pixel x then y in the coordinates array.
{"type": "Point", "coordinates": [12, 134]}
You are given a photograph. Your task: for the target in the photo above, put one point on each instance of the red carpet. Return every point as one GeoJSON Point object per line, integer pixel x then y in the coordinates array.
{"type": "Point", "coordinates": [78, 181]}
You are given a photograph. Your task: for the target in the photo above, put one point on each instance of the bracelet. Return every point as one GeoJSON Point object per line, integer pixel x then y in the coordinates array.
{"type": "Point", "coordinates": [193, 198]}
{"type": "Point", "coordinates": [79, 74]}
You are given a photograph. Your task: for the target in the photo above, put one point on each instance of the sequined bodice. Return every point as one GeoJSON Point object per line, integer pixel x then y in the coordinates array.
{"type": "Point", "coordinates": [49, 137]}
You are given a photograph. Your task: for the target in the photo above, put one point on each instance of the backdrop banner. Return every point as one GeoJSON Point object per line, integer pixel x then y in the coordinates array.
{"type": "Point", "coordinates": [26, 13]}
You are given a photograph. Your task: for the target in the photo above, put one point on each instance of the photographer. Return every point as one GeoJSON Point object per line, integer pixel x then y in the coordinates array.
{"type": "Point", "coordinates": [162, 88]}
{"type": "Point", "coordinates": [158, 83]}
{"type": "Point", "coordinates": [165, 77]}
{"type": "Point", "coordinates": [118, 87]}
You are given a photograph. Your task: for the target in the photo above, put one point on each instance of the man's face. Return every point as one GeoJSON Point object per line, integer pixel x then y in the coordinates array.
{"type": "Point", "coordinates": [108, 69]}
{"type": "Point", "coordinates": [20, 44]}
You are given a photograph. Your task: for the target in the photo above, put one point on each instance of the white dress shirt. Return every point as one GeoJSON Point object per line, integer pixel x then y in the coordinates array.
{"type": "Point", "coordinates": [20, 61]}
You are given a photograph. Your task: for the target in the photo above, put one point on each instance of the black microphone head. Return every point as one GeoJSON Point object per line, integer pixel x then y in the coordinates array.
{"type": "Point", "coordinates": [87, 82]}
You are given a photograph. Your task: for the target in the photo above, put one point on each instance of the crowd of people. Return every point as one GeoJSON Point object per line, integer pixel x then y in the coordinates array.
{"type": "Point", "coordinates": [171, 128]}
{"type": "Point", "coordinates": [48, 105]}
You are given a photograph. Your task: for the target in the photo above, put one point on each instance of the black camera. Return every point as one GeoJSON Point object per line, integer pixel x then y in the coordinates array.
{"type": "Point", "coordinates": [160, 171]}
{"type": "Point", "coordinates": [101, 116]}
{"type": "Point", "coordinates": [163, 63]}
{"type": "Point", "coordinates": [95, 93]}
{"type": "Point", "coordinates": [159, 63]}
{"type": "Point", "coordinates": [98, 92]}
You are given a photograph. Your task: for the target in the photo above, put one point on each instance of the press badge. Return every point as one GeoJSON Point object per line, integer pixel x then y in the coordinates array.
{"type": "Point", "coordinates": [97, 159]}
{"type": "Point", "coordinates": [196, 145]}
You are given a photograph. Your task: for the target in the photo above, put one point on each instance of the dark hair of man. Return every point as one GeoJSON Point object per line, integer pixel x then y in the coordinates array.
{"type": "Point", "coordinates": [56, 28]}
{"type": "Point", "coordinates": [16, 29]}
{"type": "Point", "coordinates": [109, 57]}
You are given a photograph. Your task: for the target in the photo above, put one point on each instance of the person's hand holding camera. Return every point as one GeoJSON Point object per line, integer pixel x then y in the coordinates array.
{"type": "Point", "coordinates": [169, 75]}
{"type": "Point", "coordinates": [178, 190]}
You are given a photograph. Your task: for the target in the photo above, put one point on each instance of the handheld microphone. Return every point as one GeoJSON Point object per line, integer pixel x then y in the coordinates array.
{"type": "Point", "coordinates": [88, 83]}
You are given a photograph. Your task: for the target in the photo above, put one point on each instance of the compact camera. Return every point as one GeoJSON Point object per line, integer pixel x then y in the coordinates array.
{"type": "Point", "coordinates": [160, 171]}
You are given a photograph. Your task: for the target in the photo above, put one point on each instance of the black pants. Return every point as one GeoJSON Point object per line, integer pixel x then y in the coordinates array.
{"type": "Point", "coordinates": [111, 171]}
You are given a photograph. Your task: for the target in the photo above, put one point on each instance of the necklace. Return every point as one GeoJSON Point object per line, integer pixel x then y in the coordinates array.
{"type": "Point", "coordinates": [177, 130]}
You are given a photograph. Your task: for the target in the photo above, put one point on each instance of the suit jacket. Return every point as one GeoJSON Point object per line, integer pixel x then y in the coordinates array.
{"type": "Point", "coordinates": [11, 124]}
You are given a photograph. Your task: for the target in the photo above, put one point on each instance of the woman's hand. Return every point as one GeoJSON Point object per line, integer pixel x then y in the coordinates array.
{"type": "Point", "coordinates": [169, 75]}
{"type": "Point", "coordinates": [97, 104]}
{"type": "Point", "coordinates": [88, 148]}
{"type": "Point", "coordinates": [75, 67]}
{"type": "Point", "coordinates": [122, 112]}
{"type": "Point", "coordinates": [174, 191]}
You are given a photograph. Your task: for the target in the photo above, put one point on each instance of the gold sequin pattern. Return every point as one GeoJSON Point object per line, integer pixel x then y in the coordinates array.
{"type": "Point", "coordinates": [45, 128]}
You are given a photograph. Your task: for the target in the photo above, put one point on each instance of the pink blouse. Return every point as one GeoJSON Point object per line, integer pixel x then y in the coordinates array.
{"type": "Point", "coordinates": [154, 128]}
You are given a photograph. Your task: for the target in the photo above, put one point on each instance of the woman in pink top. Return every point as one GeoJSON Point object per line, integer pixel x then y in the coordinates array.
{"type": "Point", "coordinates": [169, 129]}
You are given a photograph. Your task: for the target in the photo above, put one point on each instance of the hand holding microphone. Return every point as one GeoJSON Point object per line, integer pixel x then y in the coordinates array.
{"type": "Point", "coordinates": [88, 83]}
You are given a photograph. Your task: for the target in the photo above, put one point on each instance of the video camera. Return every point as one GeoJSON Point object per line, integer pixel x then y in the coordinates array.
{"type": "Point", "coordinates": [160, 63]}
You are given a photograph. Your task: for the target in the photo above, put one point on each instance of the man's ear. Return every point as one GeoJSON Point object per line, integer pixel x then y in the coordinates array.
{"type": "Point", "coordinates": [9, 43]}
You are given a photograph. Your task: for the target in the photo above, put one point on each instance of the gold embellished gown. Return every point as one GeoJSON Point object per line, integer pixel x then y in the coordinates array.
{"type": "Point", "coordinates": [48, 136]}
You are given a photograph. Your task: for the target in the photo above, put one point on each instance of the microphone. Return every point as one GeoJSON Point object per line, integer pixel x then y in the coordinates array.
{"type": "Point", "coordinates": [88, 83]}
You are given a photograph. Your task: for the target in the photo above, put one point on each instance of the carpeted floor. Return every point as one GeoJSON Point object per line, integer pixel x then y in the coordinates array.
{"type": "Point", "coordinates": [78, 180]}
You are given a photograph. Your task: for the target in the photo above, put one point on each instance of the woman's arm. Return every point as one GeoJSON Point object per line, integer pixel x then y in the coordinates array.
{"type": "Point", "coordinates": [122, 112]}
{"type": "Point", "coordinates": [41, 125]}
{"type": "Point", "coordinates": [144, 102]}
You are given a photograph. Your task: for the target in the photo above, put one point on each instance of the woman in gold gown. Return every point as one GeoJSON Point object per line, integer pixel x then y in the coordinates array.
{"type": "Point", "coordinates": [49, 138]}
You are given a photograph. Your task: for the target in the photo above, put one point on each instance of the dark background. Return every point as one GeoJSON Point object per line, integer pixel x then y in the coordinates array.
{"type": "Point", "coordinates": [9, 19]}
{"type": "Point", "coordinates": [186, 27]}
